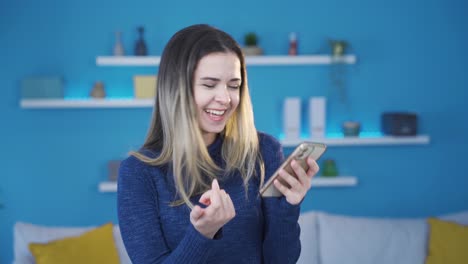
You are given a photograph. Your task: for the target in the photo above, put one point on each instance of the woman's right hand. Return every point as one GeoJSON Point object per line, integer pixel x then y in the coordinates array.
{"type": "Point", "coordinates": [218, 211]}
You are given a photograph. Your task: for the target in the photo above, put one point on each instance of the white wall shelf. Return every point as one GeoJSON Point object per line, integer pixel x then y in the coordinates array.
{"type": "Point", "coordinates": [318, 181]}
{"type": "Point", "coordinates": [359, 141]}
{"type": "Point", "coordinates": [128, 60]}
{"type": "Point", "coordinates": [250, 60]}
{"type": "Point", "coordinates": [86, 103]}
{"type": "Point", "coordinates": [108, 187]}
{"type": "Point", "coordinates": [148, 103]}
{"type": "Point", "coordinates": [338, 181]}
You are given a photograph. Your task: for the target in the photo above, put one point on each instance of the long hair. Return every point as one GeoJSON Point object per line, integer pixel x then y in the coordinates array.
{"type": "Point", "coordinates": [174, 131]}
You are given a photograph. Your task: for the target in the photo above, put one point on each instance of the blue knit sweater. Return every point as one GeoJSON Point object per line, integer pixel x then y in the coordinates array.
{"type": "Point", "coordinates": [264, 230]}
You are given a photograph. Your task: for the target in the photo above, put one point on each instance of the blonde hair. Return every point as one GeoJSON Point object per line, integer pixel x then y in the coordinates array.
{"type": "Point", "coordinates": [174, 131]}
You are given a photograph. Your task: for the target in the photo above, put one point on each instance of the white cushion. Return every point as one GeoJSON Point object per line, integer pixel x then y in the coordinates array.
{"type": "Point", "coordinates": [345, 239]}
{"type": "Point", "coordinates": [460, 217]}
{"type": "Point", "coordinates": [25, 233]}
{"type": "Point", "coordinates": [309, 238]}
{"type": "Point", "coordinates": [355, 240]}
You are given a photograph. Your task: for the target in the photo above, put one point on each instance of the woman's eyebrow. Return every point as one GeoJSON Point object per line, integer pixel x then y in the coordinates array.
{"type": "Point", "coordinates": [210, 79]}
{"type": "Point", "coordinates": [217, 79]}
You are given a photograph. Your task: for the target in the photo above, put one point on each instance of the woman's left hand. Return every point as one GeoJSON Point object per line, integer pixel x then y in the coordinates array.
{"type": "Point", "coordinates": [299, 184]}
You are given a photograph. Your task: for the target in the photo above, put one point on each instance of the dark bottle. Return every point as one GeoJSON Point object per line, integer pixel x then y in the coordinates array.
{"type": "Point", "coordinates": [140, 45]}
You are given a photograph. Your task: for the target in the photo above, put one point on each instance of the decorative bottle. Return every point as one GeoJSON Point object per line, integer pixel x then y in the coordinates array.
{"type": "Point", "coordinates": [118, 47]}
{"type": "Point", "coordinates": [292, 44]}
{"type": "Point", "coordinates": [140, 45]}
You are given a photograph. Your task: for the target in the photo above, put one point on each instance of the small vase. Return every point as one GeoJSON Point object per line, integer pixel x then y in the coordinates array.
{"type": "Point", "coordinates": [351, 128]}
{"type": "Point", "coordinates": [98, 90]}
{"type": "Point", "coordinates": [118, 47]}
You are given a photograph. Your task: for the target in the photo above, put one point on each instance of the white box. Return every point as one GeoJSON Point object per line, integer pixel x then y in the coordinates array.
{"type": "Point", "coordinates": [292, 117]}
{"type": "Point", "coordinates": [317, 115]}
{"type": "Point", "coordinates": [144, 86]}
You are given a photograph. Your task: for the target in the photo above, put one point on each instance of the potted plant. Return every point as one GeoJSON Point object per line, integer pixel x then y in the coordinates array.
{"type": "Point", "coordinates": [350, 127]}
{"type": "Point", "coordinates": [338, 47]}
{"type": "Point", "coordinates": [251, 47]}
{"type": "Point", "coordinates": [338, 67]}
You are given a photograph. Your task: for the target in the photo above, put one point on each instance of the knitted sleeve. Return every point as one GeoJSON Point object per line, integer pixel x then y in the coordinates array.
{"type": "Point", "coordinates": [139, 222]}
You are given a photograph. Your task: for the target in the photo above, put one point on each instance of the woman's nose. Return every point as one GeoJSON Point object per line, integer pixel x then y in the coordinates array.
{"type": "Point", "coordinates": [223, 96]}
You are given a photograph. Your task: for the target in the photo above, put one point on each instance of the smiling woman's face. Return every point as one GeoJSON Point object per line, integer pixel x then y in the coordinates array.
{"type": "Point", "coordinates": [217, 91]}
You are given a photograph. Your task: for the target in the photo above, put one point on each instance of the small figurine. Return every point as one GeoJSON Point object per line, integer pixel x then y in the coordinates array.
{"type": "Point", "coordinates": [292, 44]}
{"type": "Point", "coordinates": [118, 47]}
{"type": "Point", "coordinates": [140, 45]}
{"type": "Point", "coordinates": [98, 90]}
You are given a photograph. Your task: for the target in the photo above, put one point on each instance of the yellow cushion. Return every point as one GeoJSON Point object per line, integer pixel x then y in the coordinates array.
{"type": "Point", "coordinates": [448, 243]}
{"type": "Point", "coordinates": [95, 246]}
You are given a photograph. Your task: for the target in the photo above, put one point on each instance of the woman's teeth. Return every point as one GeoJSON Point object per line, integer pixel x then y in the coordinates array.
{"type": "Point", "coordinates": [215, 112]}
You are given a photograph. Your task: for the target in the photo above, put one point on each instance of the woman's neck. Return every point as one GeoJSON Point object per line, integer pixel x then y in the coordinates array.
{"type": "Point", "coordinates": [209, 138]}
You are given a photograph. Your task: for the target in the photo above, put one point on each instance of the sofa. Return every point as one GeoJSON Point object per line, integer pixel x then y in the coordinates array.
{"type": "Point", "coordinates": [336, 239]}
{"type": "Point", "coordinates": [326, 239]}
{"type": "Point", "coordinates": [26, 233]}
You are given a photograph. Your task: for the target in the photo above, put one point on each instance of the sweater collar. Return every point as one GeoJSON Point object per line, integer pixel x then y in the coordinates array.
{"type": "Point", "coordinates": [216, 145]}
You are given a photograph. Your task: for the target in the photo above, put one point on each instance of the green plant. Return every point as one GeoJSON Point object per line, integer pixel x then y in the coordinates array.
{"type": "Point", "coordinates": [338, 47]}
{"type": "Point", "coordinates": [251, 39]}
{"type": "Point", "coordinates": [338, 67]}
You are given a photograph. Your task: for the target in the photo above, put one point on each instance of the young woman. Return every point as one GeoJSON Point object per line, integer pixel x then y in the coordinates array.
{"type": "Point", "coordinates": [191, 193]}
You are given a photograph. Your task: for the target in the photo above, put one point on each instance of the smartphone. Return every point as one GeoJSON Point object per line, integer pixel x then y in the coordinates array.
{"type": "Point", "coordinates": [300, 154]}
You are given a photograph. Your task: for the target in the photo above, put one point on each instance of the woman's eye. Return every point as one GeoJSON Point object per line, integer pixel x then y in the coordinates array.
{"type": "Point", "coordinates": [209, 85]}
{"type": "Point", "coordinates": [234, 87]}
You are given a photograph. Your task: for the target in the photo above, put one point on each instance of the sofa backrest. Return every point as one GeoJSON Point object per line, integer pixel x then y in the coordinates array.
{"type": "Point", "coordinates": [334, 239]}
{"type": "Point", "coordinates": [325, 238]}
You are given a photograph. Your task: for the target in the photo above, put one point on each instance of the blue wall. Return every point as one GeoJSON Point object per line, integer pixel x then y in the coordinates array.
{"type": "Point", "coordinates": [411, 56]}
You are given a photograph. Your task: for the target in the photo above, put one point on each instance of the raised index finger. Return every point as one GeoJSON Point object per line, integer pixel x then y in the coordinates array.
{"type": "Point", "coordinates": [215, 196]}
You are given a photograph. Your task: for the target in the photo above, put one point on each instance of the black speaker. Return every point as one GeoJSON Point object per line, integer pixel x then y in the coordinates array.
{"type": "Point", "coordinates": [399, 124]}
